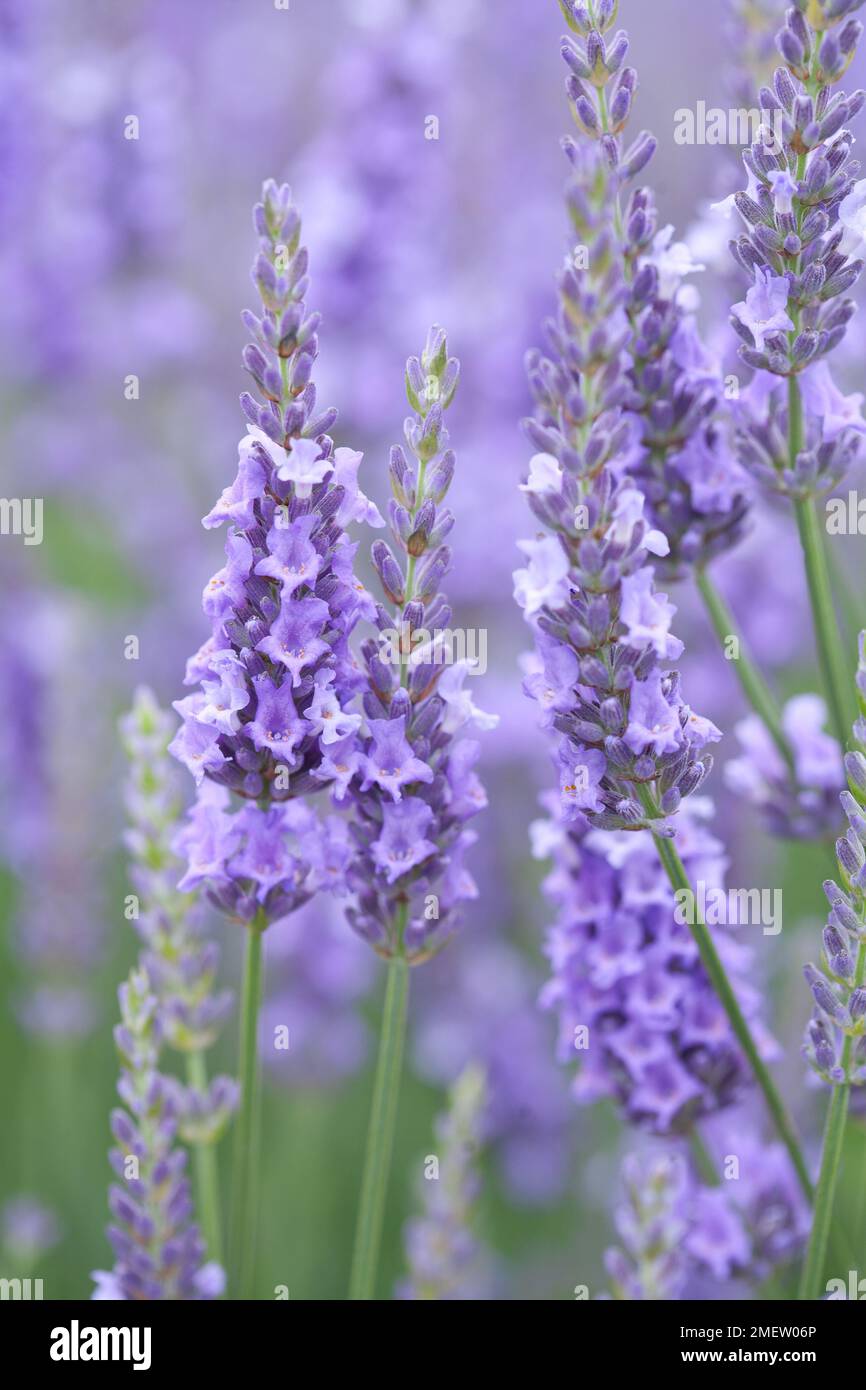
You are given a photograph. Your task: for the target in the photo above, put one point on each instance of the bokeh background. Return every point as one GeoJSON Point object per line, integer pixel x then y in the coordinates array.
{"type": "Point", "coordinates": [129, 257]}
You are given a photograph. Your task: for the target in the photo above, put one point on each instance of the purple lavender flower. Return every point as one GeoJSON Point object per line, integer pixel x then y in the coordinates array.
{"type": "Point", "coordinates": [269, 721]}
{"type": "Point", "coordinates": [634, 1005]}
{"type": "Point", "coordinates": [682, 462]}
{"type": "Point", "coordinates": [159, 1253]}
{"type": "Point", "coordinates": [650, 1265]}
{"type": "Point", "coordinates": [794, 251]}
{"type": "Point", "coordinates": [765, 1193]}
{"type": "Point", "coordinates": [696, 492]}
{"type": "Point", "coordinates": [415, 785]}
{"type": "Point", "coordinates": [835, 1044]}
{"type": "Point", "coordinates": [799, 808]}
{"type": "Point", "coordinates": [680, 1236]}
{"type": "Point", "coordinates": [257, 864]}
{"type": "Point", "coordinates": [284, 605]}
{"type": "Point", "coordinates": [444, 1256]}
{"type": "Point", "coordinates": [626, 738]}
{"type": "Point", "coordinates": [603, 633]}
{"type": "Point", "coordinates": [180, 960]}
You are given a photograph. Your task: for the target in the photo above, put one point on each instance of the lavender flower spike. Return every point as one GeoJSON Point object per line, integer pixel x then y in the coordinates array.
{"type": "Point", "coordinates": [683, 461]}
{"type": "Point", "coordinates": [801, 251]}
{"type": "Point", "coordinates": [283, 606]}
{"type": "Point", "coordinates": [444, 1256]}
{"type": "Point", "coordinates": [413, 783]}
{"type": "Point", "coordinates": [628, 982]}
{"type": "Point", "coordinates": [276, 675]}
{"type": "Point", "coordinates": [628, 747]}
{"type": "Point", "coordinates": [677, 1232]}
{"type": "Point", "coordinates": [159, 1253]}
{"type": "Point", "coordinates": [835, 1043]}
{"type": "Point", "coordinates": [414, 787]}
{"type": "Point", "coordinates": [836, 1036]}
{"type": "Point", "coordinates": [650, 1265]}
{"type": "Point", "coordinates": [181, 962]}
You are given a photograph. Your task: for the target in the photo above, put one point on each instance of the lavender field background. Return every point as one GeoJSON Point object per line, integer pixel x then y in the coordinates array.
{"type": "Point", "coordinates": [129, 258]}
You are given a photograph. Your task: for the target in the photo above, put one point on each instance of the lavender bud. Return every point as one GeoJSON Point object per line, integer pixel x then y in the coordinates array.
{"type": "Point", "coordinates": [388, 571]}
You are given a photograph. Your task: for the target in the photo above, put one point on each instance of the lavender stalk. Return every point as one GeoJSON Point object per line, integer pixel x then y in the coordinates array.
{"type": "Point", "coordinates": [276, 674]}
{"type": "Point", "coordinates": [629, 749]}
{"type": "Point", "coordinates": [244, 1206]}
{"type": "Point", "coordinates": [159, 1251]}
{"type": "Point", "coordinates": [412, 784]}
{"type": "Point", "coordinates": [178, 957]}
{"type": "Point", "coordinates": [695, 489]}
{"type": "Point", "coordinates": [802, 182]}
{"type": "Point", "coordinates": [836, 1037]}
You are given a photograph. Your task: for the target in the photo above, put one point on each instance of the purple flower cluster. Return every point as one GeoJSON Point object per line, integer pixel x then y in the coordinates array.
{"type": "Point", "coordinates": [651, 1264]}
{"type": "Point", "coordinates": [800, 808]}
{"type": "Point", "coordinates": [766, 1194]}
{"type": "Point", "coordinates": [683, 463]}
{"type": "Point", "coordinates": [269, 719]}
{"type": "Point", "coordinates": [694, 489]}
{"type": "Point", "coordinates": [179, 959]}
{"type": "Point", "coordinates": [803, 211]}
{"type": "Point", "coordinates": [167, 999]}
{"type": "Point", "coordinates": [677, 1232]}
{"type": "Point", "coordinates": [159, 1252]}
{"type": "Point", "coordinates": [260, 863]}
{"type": "Point", "coordinates": [633, 1002]}
{"type": "Point", "coordinates": [413, 783]}
{"type": "Point", "coordinates": [836, 1036]}
{"type": "Point", "coordinates": [629, 746]}
{"type": "Point", "coordinates": [277, 667]}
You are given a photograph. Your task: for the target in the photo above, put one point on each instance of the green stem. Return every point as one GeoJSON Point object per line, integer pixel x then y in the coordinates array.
{"type": "Point", "coordinates": [703, 1158]}
{"type": "Point", "coordinates": [834, 1135]}
{"type": "Point", "coordinates": [849, 603]}
{"type": "Point", "coordinates": [834, 668]}
{"type": "Point", "coordinates": [831, 1158]}
{"type": "Point", "coordinates": [244, 1208]}
{"type": "Point", "coordinates": [380, 1135]}
{"type": "Point", "coordinates": [205, 1163]}
{"type": "Point", "coordinates": [754, 686]}
{"type": "Point", "coordinates": [679, 880]}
